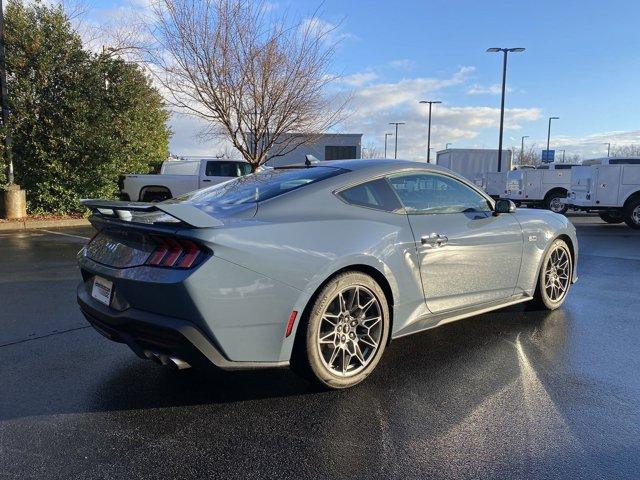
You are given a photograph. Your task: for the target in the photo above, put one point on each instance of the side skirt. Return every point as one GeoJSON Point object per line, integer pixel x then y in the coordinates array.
{"type": "Point", "coordinates": [431, 321]}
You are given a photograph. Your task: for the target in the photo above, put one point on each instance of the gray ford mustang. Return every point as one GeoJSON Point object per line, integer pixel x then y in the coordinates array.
{"type": "Point", "coordinates": [317, 267]}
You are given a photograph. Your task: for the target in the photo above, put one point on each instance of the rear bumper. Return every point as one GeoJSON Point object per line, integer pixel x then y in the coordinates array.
{"type": "Point", "coordinates": [146, 332]}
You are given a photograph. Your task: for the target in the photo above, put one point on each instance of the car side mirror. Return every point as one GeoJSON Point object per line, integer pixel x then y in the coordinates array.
{"type": "Point", "coordinates": [504, 206]}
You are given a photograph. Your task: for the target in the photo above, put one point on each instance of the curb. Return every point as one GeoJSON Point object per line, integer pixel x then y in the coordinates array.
{"type": "Point", "coordinates": [29, 224]}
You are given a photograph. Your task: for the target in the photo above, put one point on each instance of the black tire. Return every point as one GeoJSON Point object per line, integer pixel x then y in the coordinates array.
{"type": "Point", "coordinates": [550, 202]}
{"type": "Point", "coordinates": [611, 216]}
{"type": "Point", "coordinates": [542, 297]}
{"type": "Point", "coordinates": [310, 360]}
{"type": "Point", "coordinates": [631, 213]}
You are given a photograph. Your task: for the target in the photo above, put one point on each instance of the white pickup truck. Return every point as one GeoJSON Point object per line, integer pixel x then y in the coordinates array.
{"type": "Point", "coordinates": [609, 186]}
{"type": "Point", "coordinates": [180, 176]}
{"type": "Point", "coordinates": [545, 186]}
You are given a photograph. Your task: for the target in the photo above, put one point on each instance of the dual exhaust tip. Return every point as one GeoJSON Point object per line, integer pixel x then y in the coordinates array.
{"type": "Point", "coordinates": [167, 360]}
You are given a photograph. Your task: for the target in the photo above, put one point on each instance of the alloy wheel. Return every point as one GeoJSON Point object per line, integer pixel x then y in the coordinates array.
{"type": "Point", "coordinates": [557, 273]}
{"type": "Point", "coordinates": [350, 331]}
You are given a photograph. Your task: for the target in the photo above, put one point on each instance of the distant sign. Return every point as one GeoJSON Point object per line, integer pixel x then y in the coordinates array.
{"type": "Point", "coordinates": [548, 155]}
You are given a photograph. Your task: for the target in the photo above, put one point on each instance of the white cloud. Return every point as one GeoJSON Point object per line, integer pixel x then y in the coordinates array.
{"type": "Point", "coordinates": [402, 64]}
{"type": "Point", "coordinates": [590, 146]}
{"type": "Point", "coordinates": [495, 89]}
{"type": "Point", "coordinates": [374, 106]}
{"type": "Point", "coordinates": [358, 79]}
{"type": "Point", "coordinates": [385, 96]}
{"type": "Point", "coordinates": [332, 32]}
{"type": "Point", "coordinates": [186, 141]}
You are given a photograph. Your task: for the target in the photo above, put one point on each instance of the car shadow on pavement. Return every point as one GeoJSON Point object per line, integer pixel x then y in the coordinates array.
{"type": "Point", "coordinates": [479, 351]}
{"type": "Point", "coordinates": [450, 370]}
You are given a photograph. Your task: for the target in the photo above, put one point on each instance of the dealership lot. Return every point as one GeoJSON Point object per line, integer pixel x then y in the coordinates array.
{"type": "Point", "coordinates": [517, 393]}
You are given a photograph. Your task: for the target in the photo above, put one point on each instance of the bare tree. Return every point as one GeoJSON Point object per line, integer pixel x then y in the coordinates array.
{"type": "Point", "coordinates": [370, 151]}
{"type": "Point", "coordinates": [626, 151]}
{"type": "Point", "coordinates": [251, 78]}
{"type": "Point", "coordinates": [529, 156]}
{"type": "Point", "coordinates": [573, 158]}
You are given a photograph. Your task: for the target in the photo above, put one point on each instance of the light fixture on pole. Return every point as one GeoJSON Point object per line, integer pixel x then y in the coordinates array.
{"type": "Point", "coordinates": [385, 143]}
{"type": "Point", "coordinates": [430, 102]}
{"type": "Point", "coordinates": [446, 146]}
{"type": "Point", "coordinates": [395, 154]}
{"type": "Point", "coordinates": [549, 131]}
{"type": "Point", "coordinates": [505, 51]}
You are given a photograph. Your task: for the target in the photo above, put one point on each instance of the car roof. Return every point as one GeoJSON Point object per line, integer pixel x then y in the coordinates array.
{"type": "Point", "coordinates": [380, 165]}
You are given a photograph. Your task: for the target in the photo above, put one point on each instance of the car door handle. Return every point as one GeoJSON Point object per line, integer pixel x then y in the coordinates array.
{"type": "Point", "coordinates": [434, 239]}
{"type": "Point", "coordinates": [205, 180]}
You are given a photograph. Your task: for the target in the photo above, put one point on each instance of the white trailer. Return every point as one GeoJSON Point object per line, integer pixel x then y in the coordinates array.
{"type": "Point", "coordinates": [475, 164]}
{"type": "Point", "coordinates": [545, 186]}
{"type": "Point", "coordinates": [609, 186]}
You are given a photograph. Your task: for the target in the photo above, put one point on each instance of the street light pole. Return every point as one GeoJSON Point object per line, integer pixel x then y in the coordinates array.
{"type": "Point", "coordinates": [8, 154]}
{"type": "Point", "coordinates": [522, 148]}
{"type": "Point", "coordinates": [430, 102]}
{"type": "Point", "coordinates": [549, 131]}
{"type": "Point", "coordinates": [608, 149]}
{"type": "Point", "coordinates": [395, 154]}
{"type": "Point", "coordinates": [446, 146]}
{"type": "Point", "coordinates": [385, 143]}
{"type": "Point", "coordinates": [505, 51]}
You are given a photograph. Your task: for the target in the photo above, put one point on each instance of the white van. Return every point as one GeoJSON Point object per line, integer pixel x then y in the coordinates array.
{"type": "Point", "coordinates": [609, 186]}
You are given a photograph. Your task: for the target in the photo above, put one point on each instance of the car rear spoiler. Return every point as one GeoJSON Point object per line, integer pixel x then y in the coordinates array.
{"type": "Point", "coordinates": [122, 210]}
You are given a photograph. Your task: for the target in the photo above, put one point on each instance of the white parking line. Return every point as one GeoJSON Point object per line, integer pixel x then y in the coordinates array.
{"type": "Point", "coordinates": [65, 234]}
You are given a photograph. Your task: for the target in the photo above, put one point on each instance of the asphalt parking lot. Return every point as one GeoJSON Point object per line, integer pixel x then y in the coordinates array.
{"type": "Point", "coordinates": [517, 393]}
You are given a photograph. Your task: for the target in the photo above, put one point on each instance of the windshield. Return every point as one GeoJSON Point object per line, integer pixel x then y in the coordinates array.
{"type": "Point", "coordinates": [260, 186]}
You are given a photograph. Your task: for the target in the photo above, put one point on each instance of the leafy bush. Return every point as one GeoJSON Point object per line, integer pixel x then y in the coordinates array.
{"type": "Point", "coordinates": [78, 119]}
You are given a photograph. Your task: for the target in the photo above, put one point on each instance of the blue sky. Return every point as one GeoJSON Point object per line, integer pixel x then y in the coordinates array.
{"type": "Point", "coordinates": [582, 64]}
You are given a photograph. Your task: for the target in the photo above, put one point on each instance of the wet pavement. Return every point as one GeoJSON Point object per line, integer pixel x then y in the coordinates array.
{"type": "Point", "coordinates": [517, 393]}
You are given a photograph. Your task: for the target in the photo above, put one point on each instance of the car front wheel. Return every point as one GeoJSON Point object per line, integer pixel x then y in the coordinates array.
{"type": "Point", "coordinates": [346, 332]}
{"type": "Point", "coordinates": [554, 280]}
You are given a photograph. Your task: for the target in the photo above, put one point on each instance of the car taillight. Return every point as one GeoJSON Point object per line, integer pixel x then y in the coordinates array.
{"type": "Point", "coordinates": [174, 253]}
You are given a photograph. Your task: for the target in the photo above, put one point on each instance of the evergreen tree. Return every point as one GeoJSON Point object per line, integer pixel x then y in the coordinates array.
{"type": "Point", "coordinates": [79, 119]}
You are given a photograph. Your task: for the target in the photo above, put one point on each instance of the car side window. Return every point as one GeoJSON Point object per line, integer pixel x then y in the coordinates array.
{"type": "Point", "coordinates": [430, 193]}
{"type": "Point", "coordinates": [375, 194]}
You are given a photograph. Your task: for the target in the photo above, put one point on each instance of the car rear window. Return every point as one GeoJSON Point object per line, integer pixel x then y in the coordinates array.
{"type": "Point", "coordinates": [261, 186]}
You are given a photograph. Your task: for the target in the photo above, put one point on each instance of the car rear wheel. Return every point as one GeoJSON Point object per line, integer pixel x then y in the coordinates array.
{"type": "Point", "coordinates": [554, 203]}
{"type": "Point", "coordinates": [346, 332]}
{"type": "Point", "coordinates": [632, 213]}
{"type": "Point", "coordinates": [554, 280]}
{"type": "Point", "coordinates": [611, 217]}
